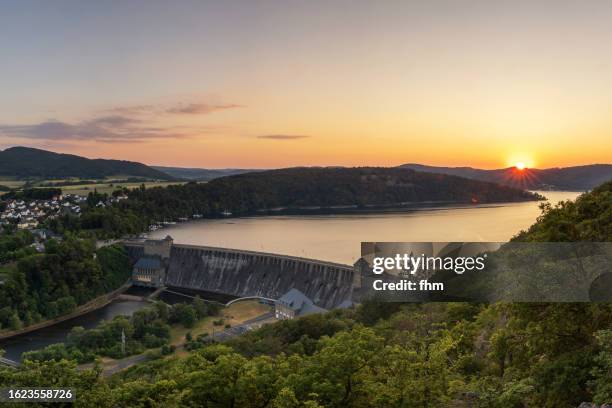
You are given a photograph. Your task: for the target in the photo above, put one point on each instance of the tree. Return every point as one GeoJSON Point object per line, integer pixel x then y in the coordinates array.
{"type": "Point", "coordinates": [185, 314]}
{"type": "Point", "coordinates": [602, 372]}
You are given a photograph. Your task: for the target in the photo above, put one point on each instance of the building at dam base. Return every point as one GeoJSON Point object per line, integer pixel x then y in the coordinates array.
{"type": "Point", "coordinates": [242, 273]}
{"type": "Point", "coordinates": [150, 268]}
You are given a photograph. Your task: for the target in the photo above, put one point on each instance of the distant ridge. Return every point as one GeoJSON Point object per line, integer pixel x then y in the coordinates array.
{"type": "Point", "coordinates": [197, 174]}
{"type": "Point", "coordinates": [28, 162]}
{"type": "Point", "coordinates": [362, 187]}
{"type": "Point", "coordinates": [560, 178]}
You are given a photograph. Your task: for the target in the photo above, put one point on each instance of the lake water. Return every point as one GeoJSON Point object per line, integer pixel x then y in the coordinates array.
{"type": "Point", "coordinates": [331, 237]}
{"type": "Point", "coordinates": [337, 238]}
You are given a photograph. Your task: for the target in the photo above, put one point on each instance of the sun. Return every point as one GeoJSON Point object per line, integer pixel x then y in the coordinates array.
{"type": "Point", "coordinates": [520, 161]}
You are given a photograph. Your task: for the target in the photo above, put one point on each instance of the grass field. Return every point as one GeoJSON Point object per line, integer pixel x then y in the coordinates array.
{"type": "Point", "coordinates": [84, 189]}
{"type": "Point", "coordinates": [107, 186]}
{"type": "Point", "coordinates": [234, 315]}
{"type": "Point", "coordinates": [11, 182]}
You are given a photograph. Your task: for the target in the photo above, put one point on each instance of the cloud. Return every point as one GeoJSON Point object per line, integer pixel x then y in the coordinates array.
{"type": "Point", "coordinates": [113, 121]}
{"type": "Point", "coordinates": [182, 108]}
{"type": "Point", "coordinates": [283, 137]}
{"type": "Point", "coordinates": [132, 110]}
{"type": "Point", "coordinates": [117, 124]}
{"type": "Point", "coordinates": [115, 128]}
{"type": "Point", "coordinates": [200, 108]}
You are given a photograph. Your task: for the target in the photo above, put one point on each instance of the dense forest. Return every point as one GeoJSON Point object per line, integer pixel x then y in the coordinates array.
{"type": "Point", "coordinates": [69, 273]}
{"type": "Point", "coordinates": [304, 189]}
{"type": "Point", "coordinates": [26, 162]}
{"type": "Point", "coordinates": [387, 354]}
{"type": "Point", "coordinates": [588, 218]}
{"type": "Point", "coordinates": [327, 187]}
{"type": "Point", "coordinates": [198, 174]}
{"type": "Point", "coordinates": [15, 245]}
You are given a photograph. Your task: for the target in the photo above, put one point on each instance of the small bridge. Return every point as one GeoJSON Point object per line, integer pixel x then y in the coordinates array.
{"type": "Point", "coordinates": [191, 297]}
{"type": "Point", "coordinates": [10, 363]}
{"type": "Point", "coordinates": [231, 302]}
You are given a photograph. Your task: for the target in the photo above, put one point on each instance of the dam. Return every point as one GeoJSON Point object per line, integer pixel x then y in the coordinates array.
{"type": "Point", "coordinates": [240, 273]}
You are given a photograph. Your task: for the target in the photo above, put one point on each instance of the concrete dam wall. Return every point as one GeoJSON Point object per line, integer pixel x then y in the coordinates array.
{"type": "Point", "coordinates": [245, 273]}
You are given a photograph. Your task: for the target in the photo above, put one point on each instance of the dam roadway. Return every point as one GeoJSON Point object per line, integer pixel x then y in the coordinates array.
{"type": "Point", "coordinates": [243, 273]}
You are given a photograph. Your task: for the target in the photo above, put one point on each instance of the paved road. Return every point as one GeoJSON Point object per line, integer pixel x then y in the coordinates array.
{"type": "Point", "coordinates": [242, 328]}
{"type": "Point", "coordinates": [8, 362]}
{"type": "Point", "coordinates": [123, 364]}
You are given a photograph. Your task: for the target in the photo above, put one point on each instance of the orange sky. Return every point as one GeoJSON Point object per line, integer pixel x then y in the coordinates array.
{"type": "Point", "coordinates": [269, 84]}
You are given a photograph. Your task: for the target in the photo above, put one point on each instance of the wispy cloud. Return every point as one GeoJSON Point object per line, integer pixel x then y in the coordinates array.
{"type": "Point", "coordinates": [200, 108]}
{"type": "Point", "coordinates": [115, 128]}
{"type": "Point", "coordinates": [118, 124]}
{"type": "Point", "coordinates": [283, 137]}
{"type": "Point", "coordinates": [132, 110]}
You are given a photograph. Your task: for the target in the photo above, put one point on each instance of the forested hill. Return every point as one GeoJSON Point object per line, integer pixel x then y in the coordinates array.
{"type": "Point", "coordinates": [564, 178]}
{"type": "Point", "coordinates": [325, 187]}
{"type": "Point", "coordinates": [589, 218]}
{"type": "Point", "coordinates": [28, 162]}
{"type": "Point", "coordinates": [198, 174]}
{"type": "Point", "coordinates": [295, 190]}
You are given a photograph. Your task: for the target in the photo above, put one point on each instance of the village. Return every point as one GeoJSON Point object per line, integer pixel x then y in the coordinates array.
{"type": "Point", "coordinates": [32, 213]}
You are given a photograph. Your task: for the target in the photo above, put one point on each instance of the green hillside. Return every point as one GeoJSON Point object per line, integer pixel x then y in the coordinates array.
{"type": "Point", "coordinates": [311, 188]}
{"type": "Point", "coordinates": [198, 174]}
{"type": "Point", "coordinates": [589, 218]}
{"type": "Point", "coordinates": [25, 162]}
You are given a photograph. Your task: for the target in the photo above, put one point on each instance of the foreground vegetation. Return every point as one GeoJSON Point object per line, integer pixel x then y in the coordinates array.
{"type": "Point", "coordinates": [447, 354]}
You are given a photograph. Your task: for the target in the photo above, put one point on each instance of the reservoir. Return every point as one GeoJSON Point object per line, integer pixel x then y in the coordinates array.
{"type": "Point", "coordinates": [337, 238]}
{"type": "Point", "coordinates": [333, 238]}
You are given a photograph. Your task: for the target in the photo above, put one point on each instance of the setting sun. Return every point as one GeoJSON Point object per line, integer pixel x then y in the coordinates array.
{"type": "Point", "coordinates": [521, 161]}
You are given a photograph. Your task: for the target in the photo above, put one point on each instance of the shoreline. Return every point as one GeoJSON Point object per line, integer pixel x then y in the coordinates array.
{"type": "Point", "coordinates": [395, 208]}
{"type": "Point", "coordinates": [348, 210]}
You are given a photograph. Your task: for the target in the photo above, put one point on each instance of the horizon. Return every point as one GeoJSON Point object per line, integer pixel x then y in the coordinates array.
{"type": "Point", "coordinates": [262, 84]}
{"type": "Point", "coordinates": [527, 168]}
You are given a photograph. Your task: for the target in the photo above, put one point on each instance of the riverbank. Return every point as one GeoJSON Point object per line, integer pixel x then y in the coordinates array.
{"type": "Point", "coordinates": [85, 308]}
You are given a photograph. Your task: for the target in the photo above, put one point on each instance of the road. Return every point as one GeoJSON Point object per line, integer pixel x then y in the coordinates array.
{"type": "Point", "coordinates": [242, 328]}
{"type": "Point", "coordinates": [8, 362]}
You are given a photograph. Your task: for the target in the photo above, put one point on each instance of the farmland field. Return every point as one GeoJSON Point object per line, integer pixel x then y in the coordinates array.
{"type": "Point", "coordinates": [101, 186]}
